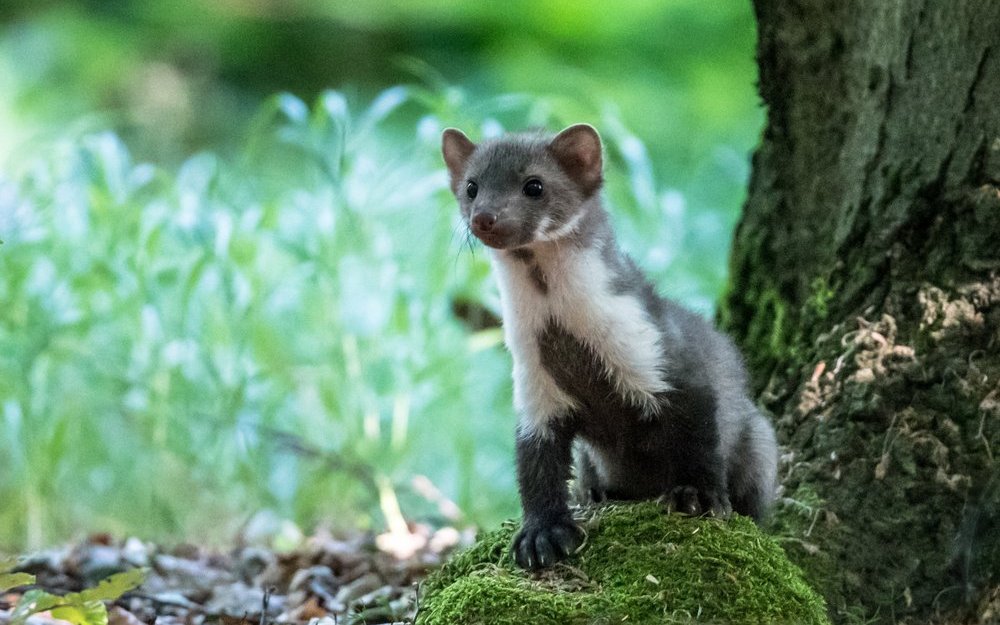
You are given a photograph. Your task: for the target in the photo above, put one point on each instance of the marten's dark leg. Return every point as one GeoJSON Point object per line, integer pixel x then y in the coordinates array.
{"type": "Point", "coordinates": [548, 533]}
{"type": "Point", "coordinates": [697, 472]}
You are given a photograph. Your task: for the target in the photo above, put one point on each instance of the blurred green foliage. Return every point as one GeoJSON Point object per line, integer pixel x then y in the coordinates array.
{"type": "Point", "coordinates": [186, 73]}
{"type": "Point", "coordinates": [214, 300]}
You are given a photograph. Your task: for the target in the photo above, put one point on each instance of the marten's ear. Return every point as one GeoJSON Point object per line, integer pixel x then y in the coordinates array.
{"type": "Point", "coordinates": [578, 151]}
{"type": "Point", "coordinates": [457, 149]}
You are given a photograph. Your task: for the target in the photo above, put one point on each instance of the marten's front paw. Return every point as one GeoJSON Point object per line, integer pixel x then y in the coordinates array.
{"type": "Point", "coordinates": [539, 545]}
{"type": "Point", "coordinates": [692, 501]}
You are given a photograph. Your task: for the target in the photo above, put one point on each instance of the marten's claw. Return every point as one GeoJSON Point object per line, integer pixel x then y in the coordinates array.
{"type": "Point", "coordinates": [538, 546]}
{"type": "Point", "coordinates": [694, 502]}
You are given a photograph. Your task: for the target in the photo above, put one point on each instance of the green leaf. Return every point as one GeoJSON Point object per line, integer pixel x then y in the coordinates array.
{"type": "Point", "coordinates": [111, 588]}
{"type": "Point", "coordinates": [13, 580]}
{"type": "Point", "coordinates": [80, 608]}
{"type": "Point", "coordinates": [32, 602]}
{"type": "Point", "coordinates": [86, 613]}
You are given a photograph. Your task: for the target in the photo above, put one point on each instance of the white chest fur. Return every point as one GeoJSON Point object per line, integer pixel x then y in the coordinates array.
{"type": "Point", "coordinates": [580, 298]}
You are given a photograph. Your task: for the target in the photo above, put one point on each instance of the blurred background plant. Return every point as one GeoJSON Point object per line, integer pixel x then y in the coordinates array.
{"type": "Point", "coordinates": [216, 301]}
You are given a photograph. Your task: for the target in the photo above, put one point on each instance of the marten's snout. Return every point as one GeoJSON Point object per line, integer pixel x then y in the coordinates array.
{"type": "Point", "coordinates": [491, 230]}
{"type": "Point", "coordinates": [483, 222]}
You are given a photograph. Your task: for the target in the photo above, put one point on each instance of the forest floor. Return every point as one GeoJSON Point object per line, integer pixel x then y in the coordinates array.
{"type": "Point", "coordinates": [327, 580]}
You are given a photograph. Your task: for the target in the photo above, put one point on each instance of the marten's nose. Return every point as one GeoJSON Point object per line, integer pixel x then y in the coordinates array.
{"type": "Point", "coordinates": [483, 222]}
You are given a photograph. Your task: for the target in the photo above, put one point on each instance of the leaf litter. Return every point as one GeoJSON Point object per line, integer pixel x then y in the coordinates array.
{"type": "Point", "coordinates": [327, 580]}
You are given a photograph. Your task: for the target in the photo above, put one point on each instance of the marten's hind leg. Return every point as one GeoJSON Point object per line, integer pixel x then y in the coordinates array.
{"type": "Point", "coordinates": [587, 488]}
{"type": "Point", "coordinates": [753, 467]}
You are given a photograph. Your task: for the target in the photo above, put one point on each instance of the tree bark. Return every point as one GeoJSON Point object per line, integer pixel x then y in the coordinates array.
{"type": "Point", "coordinates": [866, 294]}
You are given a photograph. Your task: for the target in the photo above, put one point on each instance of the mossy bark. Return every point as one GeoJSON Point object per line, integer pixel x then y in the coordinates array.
{"type": "Point", "coordinates": [866, 294]}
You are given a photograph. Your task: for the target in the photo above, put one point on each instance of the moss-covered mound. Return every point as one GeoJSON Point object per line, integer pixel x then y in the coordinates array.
{"type": "Point", "coordinates": [639, 566]}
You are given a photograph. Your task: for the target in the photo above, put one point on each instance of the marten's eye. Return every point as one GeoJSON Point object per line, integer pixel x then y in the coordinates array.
{"type": "Point", "coordinates": [533, 188]}
{"type": "Point", "coordinates": [472, 189]}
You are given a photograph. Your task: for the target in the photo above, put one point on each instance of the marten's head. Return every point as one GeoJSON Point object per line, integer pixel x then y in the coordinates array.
{"type": "Point", "coordinates": [524, 189]}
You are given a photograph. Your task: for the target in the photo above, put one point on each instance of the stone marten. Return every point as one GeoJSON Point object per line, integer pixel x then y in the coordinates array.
{"type": "Point", "coordinates": [652, 397]}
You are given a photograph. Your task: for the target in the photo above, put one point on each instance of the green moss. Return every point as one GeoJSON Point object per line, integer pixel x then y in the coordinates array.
{"type": "Point", "coordinates": [639, 566]}
{"type": "Point", "coordinates": [821, 294]}
{"type": "Point", "coordinates": [795, 523]}
{"type": "Point", "coordinates": [766, 342]}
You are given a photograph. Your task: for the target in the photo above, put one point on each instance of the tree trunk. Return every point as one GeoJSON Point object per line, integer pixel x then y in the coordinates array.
{"type": "Point", "coordinates": [866, 294]}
